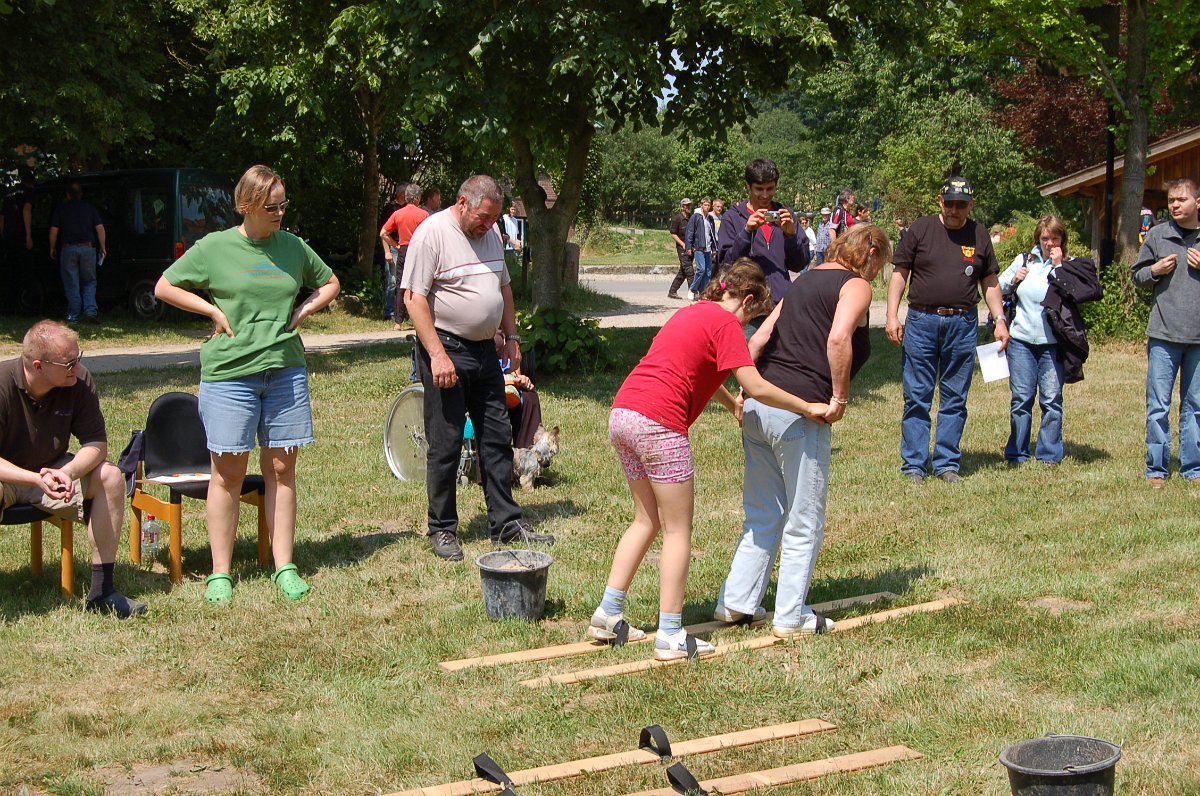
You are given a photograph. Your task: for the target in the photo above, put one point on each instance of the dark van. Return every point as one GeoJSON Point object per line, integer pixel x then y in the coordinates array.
{"type": "Point", "coordinates": [151, 217]}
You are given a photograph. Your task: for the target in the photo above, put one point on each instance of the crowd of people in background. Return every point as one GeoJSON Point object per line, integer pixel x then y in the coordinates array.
{"type": "Point", "coordinates": [781, 306]}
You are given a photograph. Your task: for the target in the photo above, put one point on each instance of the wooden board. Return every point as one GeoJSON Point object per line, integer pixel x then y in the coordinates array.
{"type": "Point", "coordinates": [586, 647]}
{"type": "Point", "coordinates": [758, 642]}
{"type": "Point", "coordinates": [712, 743]}
{"type": "Point", "coordinates": [740, 783]}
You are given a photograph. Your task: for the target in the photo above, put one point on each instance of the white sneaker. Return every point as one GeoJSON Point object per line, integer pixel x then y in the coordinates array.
{"type": "Point", "coordinates": [603, 627]}
{"type": "Point", "coordinates": [723, 614]}
{"type": "Point", "coordinates": [673, 647]}
{"type": "Point", "coordinates": [810, 623]}
{"type": "Point", "coordinates": [691, 296]}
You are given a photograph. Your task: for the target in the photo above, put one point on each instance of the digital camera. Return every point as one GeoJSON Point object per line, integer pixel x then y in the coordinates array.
{"type": "Point", "coordinates": [770, 216]}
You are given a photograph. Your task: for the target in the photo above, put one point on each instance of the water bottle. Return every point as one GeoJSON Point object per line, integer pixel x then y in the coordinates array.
{"type": "Point", "coordinates": [151, 532]}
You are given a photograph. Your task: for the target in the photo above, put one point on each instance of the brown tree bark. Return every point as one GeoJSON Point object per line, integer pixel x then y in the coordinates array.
{"type": "Point", "coordinates": [370, 108]}
{"type": "Point", "coordinates": [1133, 180]}
{"type": "Point", "coordinates": [548, 226]}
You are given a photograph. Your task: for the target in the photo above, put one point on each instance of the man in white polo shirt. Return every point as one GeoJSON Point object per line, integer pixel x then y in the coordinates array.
{"type": "Point", "coordinates": [457, 291]}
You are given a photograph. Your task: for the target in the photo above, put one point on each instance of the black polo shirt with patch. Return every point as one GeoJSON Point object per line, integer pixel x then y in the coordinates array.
{"type": "Point", "coordinates": [945, 265]}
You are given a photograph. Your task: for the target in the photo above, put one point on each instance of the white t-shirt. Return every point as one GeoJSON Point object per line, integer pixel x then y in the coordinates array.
{"type": "Point", "coordinates": [461, 277]}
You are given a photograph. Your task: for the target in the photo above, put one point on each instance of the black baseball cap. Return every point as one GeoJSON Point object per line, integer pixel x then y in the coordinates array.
{"type": "Point", "coordinates": [957, 189]}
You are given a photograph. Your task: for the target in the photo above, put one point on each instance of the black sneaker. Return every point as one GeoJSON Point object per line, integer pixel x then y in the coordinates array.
{"type": "Point", "coordinates": [445, 545]}
{"type": "Point", "coordinates": [521, 532]}
{"type": "Point", "coordinates": [92, 319]}
{"type": "Point", "coordinates": [116, 603]}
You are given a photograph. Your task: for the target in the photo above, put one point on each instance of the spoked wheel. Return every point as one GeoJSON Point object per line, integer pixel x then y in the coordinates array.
{"type": "Point", "coordinates": [404, 442]}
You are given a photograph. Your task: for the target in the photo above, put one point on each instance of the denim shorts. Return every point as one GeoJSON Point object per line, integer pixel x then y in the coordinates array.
{"type": "Point", "coordinates": [272, 404]}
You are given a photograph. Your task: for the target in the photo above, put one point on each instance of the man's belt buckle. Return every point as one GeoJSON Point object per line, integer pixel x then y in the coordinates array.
{"type": "Point", "coordinates": [947, 311]}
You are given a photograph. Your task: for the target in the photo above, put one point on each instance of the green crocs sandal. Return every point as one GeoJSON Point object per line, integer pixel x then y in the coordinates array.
{"type": "Point", "coordinates": [219, 588]}
{"type": "Point", "coordinates": [290, 584]}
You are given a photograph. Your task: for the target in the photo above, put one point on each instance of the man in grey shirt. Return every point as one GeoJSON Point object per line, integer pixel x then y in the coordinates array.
{"type": "Point", "coordinates": [1169, 261]}
{"type": "Point", "coordinates": [458, 294]}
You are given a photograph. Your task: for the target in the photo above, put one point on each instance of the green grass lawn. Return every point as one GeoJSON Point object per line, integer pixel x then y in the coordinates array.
{"type": "Point", "coordinates": [617, 247]}
{"type": "Point", "coordinates": [1080, 616]}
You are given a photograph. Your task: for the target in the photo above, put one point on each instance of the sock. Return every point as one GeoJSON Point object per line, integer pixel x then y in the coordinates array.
{"type": "Point", "coordinates": [613, 601]}
{"type": "Point", "coordinates": [102, 581]}
{"type": "Point", "coordinates": [669, 624]}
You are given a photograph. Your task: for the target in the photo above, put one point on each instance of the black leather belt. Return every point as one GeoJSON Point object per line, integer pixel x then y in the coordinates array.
{"type": "Point", "coordinates": [940, 310]}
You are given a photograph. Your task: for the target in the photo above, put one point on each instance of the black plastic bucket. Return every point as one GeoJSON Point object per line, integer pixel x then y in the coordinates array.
{"type": "Point", "coordinates": [514, 583]}
{"type": "Point", "coordinates": [1061, 765]}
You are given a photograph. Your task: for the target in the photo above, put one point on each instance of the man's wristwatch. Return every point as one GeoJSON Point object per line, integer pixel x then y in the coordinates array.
{"type": "Point", "coordinates": [513, 338]}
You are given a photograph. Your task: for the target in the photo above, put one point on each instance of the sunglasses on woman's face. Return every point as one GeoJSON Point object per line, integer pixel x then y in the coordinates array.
{"type": "Point", "coordinates": [278, 208]}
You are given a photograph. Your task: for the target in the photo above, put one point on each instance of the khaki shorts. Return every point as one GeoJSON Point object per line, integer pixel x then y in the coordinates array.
{"type": "Point", "coordinates": [72, 509]}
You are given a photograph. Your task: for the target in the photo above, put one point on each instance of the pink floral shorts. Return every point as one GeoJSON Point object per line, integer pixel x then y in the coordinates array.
{"type": "Point", "coordinates": [650, 450]}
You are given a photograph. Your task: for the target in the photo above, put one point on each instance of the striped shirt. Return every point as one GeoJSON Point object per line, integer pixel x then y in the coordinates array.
{"type": "Point", "coordinates": [461, 277]}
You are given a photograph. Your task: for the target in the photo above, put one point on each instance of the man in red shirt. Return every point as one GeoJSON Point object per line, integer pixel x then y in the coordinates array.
{"type": "Point", "coordinates": [396, 233]}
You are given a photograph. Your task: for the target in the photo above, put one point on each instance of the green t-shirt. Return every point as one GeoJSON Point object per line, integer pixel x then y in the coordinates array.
{"type": "Point", "coordinates": [255, 283]}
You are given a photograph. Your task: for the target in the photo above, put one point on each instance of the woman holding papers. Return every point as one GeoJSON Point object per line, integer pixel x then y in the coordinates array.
{"type": "Point", "coordinates": [253, 380]}
{"type": "Point", "coordinates": [1034, 368]}
{"type": "Point", "coordinates": [811, 345]}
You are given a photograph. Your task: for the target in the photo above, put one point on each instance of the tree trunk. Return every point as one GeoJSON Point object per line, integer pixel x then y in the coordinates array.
{"type": "Point", "coordinates": [368, 230]}
{"type": "Point", "coordinates": [1133, 180]}
{"type": "Point", "coordinates": [548, 226]}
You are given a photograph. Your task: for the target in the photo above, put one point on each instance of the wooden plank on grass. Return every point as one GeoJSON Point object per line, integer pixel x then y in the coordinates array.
{"type": "Point", "coordinates": [576, 768]}
{"type": "Point", "coordinates": [799, 772]}
{"type": "Point", "coordinates": [567, 678]}
{"type": "Point", "coordinates": [585, 647]}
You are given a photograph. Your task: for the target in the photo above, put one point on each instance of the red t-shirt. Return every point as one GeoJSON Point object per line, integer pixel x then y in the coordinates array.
{"type": "Point", "coordinates": [403, 222]}
{"type": "Point", "coordinates": [691, 357]}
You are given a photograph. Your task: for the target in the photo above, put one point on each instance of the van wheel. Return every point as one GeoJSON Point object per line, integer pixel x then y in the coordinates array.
{"type": "Point", "coordinates": [143, 302]}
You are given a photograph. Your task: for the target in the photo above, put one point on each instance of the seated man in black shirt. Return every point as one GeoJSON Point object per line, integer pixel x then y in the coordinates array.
{"type": "Point", "coordinates": [46, 397]}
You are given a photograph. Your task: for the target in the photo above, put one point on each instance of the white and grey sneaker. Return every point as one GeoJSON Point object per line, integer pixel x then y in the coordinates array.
{"type": "Point", "coordinates": [609, 628]}
{"type": "Point", "coordinates": [723, 614]}
{"type": "Point", "coordinates": [680, 645]}
{"type": "Point", "coordinates": [810, 623]}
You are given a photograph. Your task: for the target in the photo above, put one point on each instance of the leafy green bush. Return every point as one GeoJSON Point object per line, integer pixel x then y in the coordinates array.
{"type": "Point", "coordinates": [563, 342]}
{"type": "Point", "coordinates": [1123, 312]}
{"type": "Point", "coordinates": [599, 239]}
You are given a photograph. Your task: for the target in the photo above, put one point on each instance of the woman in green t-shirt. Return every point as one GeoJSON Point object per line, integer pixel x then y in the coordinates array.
{"type": "Point", "coordinates": [253, 381]}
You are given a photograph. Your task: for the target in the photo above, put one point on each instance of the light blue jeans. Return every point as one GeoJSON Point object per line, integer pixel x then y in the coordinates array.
{"type": "Point", "coordinates": [938, 351]}
{"type": "Point", "coordinates": [784, 496]}
{"type": "Point", "coordinates": [1034, 370]}
{"type": "Point", "coordinates": [703, 263]}
{"type": "Point", "coordinates": [1165, 360]}
{"type": "Point", "coordinates": [78, 271]}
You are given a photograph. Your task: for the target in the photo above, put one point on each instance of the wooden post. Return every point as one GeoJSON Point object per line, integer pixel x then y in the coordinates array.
{"type": "Point", "coordinates": [586, 647]}
{"type": "Point", "coordinates": [799, 772]}
{"type": "Point", "coordinates": [567, 678]}
{"type": "Point", "coordinates": [589, 765]}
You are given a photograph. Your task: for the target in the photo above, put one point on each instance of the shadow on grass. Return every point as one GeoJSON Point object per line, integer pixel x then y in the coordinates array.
{"type": "Point", "coordinates": [899, 581]}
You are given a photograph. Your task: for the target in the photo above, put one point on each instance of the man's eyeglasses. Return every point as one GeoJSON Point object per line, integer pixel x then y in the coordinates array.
{"type": "Point", "coordinates": [68, 365]}
{"type": "Point", "coordinates": [955, 204]}
{"type": "Point", "coordinates": [279, 208]}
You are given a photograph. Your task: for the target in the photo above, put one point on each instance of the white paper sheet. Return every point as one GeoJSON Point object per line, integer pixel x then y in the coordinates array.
{"type": "Point", "coordinates": [179, 478]}
{"type": "Point", "coordinates": [992, 361]}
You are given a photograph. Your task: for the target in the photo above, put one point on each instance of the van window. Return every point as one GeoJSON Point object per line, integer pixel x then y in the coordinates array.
{"type": "Point", "coordinates": [147, 214]}
{"type": "Point", "coordinates": [204, 209]}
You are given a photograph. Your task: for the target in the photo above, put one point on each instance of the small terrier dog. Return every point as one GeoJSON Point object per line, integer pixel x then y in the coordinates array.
{"type": "Point", "coordinates": [530, 463]}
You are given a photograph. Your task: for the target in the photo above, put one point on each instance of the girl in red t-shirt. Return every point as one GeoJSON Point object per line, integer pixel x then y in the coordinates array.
{"type": "Point", "coordinates": [686, 365]}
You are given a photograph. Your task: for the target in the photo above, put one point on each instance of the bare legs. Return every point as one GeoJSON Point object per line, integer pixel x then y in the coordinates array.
{"type": "Point", "coordinates": [279, 503]}
{"type": "Point", "coordinates": [658, 506]}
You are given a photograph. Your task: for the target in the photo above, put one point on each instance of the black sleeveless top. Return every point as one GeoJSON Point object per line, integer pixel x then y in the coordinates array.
{"type": "Point", "coordinates": [796, 357]}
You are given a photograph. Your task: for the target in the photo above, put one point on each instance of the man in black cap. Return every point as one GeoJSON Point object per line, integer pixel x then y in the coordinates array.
{"type": "Point", "coordinates": [679, 226]}
{"type": "Point", "coordinates": [948, 257]}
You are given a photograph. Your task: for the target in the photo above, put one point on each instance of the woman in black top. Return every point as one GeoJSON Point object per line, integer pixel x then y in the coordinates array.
{"type": "Point", "coordinates": [811, 345]}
